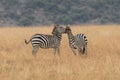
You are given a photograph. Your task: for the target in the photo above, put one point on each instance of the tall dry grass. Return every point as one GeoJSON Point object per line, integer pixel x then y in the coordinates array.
{"type": "Point", "coordinates": [101, 63]}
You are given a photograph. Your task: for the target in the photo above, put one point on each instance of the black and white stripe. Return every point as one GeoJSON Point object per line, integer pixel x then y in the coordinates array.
{"type": "Point", "coordinates": [47, 41]}
{"type": "Point", "coordinates": [78, 41]}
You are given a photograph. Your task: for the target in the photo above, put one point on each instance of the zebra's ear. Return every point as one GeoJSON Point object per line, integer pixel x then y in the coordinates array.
{"type": "Point", "coordinates": [53, 31]}
{"type": "Point", "coordinates": [68, 26]}
{"type": "Point", "coordinates": [56, 25]}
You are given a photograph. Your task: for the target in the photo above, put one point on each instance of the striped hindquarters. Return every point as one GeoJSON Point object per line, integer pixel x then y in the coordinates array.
{"type": "Point", "coordinates": [41, 40]}
{"type": "Point", "coordinates": [81, 38]}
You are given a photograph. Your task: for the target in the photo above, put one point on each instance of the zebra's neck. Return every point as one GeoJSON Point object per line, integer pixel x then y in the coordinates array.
{"type": "Point", "coordinates": [70, 35]}
{"type": "Point", "coordinates": [71, 38]}
{"type": "Point", "coordinates": [58, 36]}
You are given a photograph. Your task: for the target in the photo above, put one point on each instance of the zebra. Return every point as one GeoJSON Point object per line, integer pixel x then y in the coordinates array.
{"type": "Point", "coordinates": [78, 41]}
{"type": "Point", "coordinates": [47, 41]}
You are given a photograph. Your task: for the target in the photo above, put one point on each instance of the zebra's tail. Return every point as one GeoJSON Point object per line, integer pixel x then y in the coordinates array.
{"type": "Point", "coordinates": [85, 46]}
{"type": "Point", "coordinates": [27, 42]}
{"type": "Point", "coordinates": [85, 49]}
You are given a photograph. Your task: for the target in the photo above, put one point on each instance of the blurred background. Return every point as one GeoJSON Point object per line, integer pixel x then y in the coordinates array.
{"type": "Point", "coordinates": [98, 19]}
{"type": "Point", "coordinates": [47, 12]}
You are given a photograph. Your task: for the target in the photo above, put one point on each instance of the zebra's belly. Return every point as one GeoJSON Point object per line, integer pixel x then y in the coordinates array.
{"type": "Point", "coordinates": [73, 45]}
{"type": "Point", "coordinates": [46, 47]}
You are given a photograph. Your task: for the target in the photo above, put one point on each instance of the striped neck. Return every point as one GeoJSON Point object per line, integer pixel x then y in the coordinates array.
{"type": "Point", "coordinates": [58, 36]}
{"type": "Point", "coordinates": [70, 35]}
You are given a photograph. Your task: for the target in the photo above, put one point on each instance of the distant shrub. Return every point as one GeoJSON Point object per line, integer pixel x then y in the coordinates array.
{"type": "Point", "coordinates": [25, 20]}
{"type": "Point", "coordinates": [34, 4]}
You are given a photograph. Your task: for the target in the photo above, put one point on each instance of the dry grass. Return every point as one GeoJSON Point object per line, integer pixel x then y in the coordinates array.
{"type": "Point", "coordinates": [101, 63]}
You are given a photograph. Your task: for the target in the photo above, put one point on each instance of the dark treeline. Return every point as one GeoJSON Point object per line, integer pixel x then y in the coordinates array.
{"type": "Point", "coordinates": [45, 12]}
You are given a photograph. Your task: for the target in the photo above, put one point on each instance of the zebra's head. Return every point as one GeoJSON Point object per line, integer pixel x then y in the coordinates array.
{"type": "Point", "coordinates": [68, 29]}
{"type": "Point", "coordinates": [58, 29]}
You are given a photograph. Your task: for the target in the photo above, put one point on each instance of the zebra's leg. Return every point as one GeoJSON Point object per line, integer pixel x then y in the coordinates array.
{"type": "Point", "coordinates": [35, 49]}
{"type": "Point", "coordinates": [85, 50]}
{"type": "Point", "coordinates": [54, 51]}
{"type": "Point", "coordinates": [73, 50]}
{"type": "Point", "coordinates": [80, 51]}
{"type": "Point", "coordinates": [58, 51]}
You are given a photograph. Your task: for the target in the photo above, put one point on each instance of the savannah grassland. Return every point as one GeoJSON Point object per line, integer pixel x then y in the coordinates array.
{"type": "Point", "coordinates": [101, 63]}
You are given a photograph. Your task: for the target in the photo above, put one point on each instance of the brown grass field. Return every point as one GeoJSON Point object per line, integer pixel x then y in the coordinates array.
{"type": "Point", "coordinates": [101, 63]}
